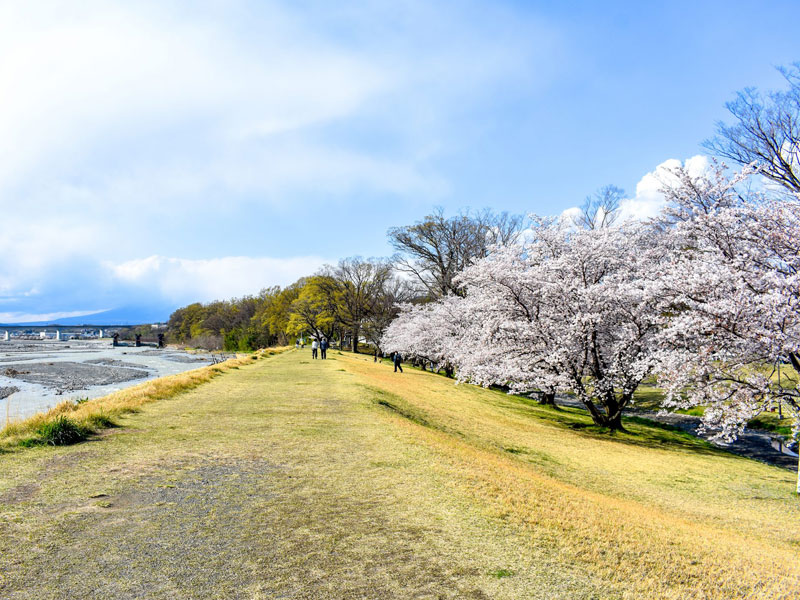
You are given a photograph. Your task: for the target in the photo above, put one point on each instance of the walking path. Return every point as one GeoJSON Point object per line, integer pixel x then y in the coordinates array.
{"type": "Point", "coordinates": [280, 480]}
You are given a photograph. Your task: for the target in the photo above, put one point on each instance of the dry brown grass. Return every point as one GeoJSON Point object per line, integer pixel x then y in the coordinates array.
{"type": "Point", "coordinates": [280, 479]}
{"type": "Point", "coordinates": [660, 515]}
{"type": "Point", "coordinates": [340, 479]}
{"type": "Point", "coordinates": [101, 410]}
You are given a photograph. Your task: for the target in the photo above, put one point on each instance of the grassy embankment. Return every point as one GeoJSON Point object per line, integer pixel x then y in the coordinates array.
{"type": "Point", "coordinates": [73, 420]}
{"type": "Point", "coordinates": [341, 479]}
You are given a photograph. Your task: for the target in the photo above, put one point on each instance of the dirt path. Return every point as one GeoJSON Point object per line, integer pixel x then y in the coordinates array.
{"type": "Point", "coordinates": [281, 480]}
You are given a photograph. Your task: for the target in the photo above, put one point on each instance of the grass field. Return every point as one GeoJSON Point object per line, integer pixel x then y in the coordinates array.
{"type": "Point", "coordinates": [287, 477]}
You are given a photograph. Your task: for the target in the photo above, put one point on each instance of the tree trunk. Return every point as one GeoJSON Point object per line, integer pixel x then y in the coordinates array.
{"type": "Point", "coordinates": [611, 418]}
{"type": "Point", "coordinates": [615, 422]}
{"type": "Point", "coordinates": [547, 398]}
{"type": "Point", "coordinates": [355, 339]}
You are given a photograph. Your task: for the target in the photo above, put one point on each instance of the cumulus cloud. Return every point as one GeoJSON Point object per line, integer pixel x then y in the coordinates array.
{"type": "Point", "coordinates": [649, 200]}
{"type": "Point", "coordinates": [182, 281]}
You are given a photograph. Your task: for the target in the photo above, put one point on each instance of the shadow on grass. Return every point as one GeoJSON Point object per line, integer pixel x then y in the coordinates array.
{"type": "Point", "coordinates": [397, 405]}
{"type": "Point", "coordinates": [639, 431]}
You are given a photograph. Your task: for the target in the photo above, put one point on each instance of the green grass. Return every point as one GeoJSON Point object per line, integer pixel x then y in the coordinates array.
{"type": "Point", "coordinates": [500, 573]}
{"type": "Point", "coordinates": [61, 431]}
{"type": "Point", "coordinates": [771, 422]}
{"type": "Point", "coordinates": [648, 398]}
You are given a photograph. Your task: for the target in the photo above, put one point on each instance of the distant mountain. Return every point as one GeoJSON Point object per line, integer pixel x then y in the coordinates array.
{"type": "Point", "coordinates": [129, 315]}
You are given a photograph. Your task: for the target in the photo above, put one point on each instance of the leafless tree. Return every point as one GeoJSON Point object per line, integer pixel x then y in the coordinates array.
{"type": "Point", "coordinates": [766, 130]}
{"type": "Point", "coordinates": [601, 209]}
{"type": "Point", "coordinates": [385, 308]}
{"type": "Point", "coordinates": [433, 251]}
{"type": "Point", "coordinates": [356, 288]}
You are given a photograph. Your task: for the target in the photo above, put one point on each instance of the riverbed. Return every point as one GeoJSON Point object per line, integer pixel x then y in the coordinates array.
{"type": "Point", "coordinates": [37, 375]}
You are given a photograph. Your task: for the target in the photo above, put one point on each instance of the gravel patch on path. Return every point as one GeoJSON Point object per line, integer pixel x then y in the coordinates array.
{"type": "Point", "coordinates": [159, 538]}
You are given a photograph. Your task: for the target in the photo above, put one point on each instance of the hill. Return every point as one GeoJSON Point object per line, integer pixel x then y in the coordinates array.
{"type": "Point", "coordinates": [130, 315]}
{"type": "Point", "coordinates": [289, 477]}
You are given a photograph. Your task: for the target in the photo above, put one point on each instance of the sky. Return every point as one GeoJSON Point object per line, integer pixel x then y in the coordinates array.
{"type": "Point", "coordinates": [154, 154]}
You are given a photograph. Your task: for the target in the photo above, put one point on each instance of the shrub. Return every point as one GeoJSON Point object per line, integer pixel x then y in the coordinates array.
{"type": "Point", "coordinates": [61, 431]}
{"type": "Point", "coordinates": [100, 421]}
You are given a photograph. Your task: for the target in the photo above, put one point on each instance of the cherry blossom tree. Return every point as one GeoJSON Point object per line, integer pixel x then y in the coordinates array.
{"type": "Point", "coordinates": [707, 297]}
{"type": "Point", "coordinates": [731, 289]}
{"type": "Point", "coordinates": [430, 332]}
{"type": "Point", "coordinates": [571, 310]}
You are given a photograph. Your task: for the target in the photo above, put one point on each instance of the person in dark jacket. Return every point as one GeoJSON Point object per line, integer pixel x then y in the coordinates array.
{"type": "Point", "coordinates": [323, 349]}
{"type": "Point", "coordinates": [397, 359]}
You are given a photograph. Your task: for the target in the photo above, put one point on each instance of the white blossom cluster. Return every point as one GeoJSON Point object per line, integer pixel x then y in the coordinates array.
{"type": "Point", "coordinates": [705, 298]}
{"type": "Point", "coordinates": [730, 285]}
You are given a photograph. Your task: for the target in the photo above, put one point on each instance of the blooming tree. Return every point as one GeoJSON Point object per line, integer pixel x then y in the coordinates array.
{"type": "Point", "coordinates": [571, 309]}
{"type": "Point", "coordinates": [707, 297]}
{"type": "Point", "coordinates": [731, 287]}
{"type": "Point", "coordinates": [428, 331]}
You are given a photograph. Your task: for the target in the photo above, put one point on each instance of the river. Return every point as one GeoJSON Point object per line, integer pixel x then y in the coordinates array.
{"type": "Point", "coordinates": [36, 375]}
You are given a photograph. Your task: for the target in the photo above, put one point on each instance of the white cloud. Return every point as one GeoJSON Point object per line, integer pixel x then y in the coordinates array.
{"type": "Point", "coordinates": [649, 200]}
{"type": "Point", "coordinates": [182, 281]}
{"type": "Point", "coordinates": [168, 101]}
{"type": "Point", "coordinates": [570, 214]}
{"type": "Point", "coordinates": [152, 128]}
{"type": "Point", "coordinates": [83, 75]}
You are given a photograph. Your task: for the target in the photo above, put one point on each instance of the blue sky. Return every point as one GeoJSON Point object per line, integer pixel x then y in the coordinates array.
{"type": "Point", "coordinates": [158, 153]}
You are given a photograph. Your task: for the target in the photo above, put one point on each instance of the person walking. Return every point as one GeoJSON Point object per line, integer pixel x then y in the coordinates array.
{"type": "Point", "coordinates": [397, 359]}
{"type": "Point", "coordinates": [314, 348]}
{"type": "Point", "coordinates": [323, 349]}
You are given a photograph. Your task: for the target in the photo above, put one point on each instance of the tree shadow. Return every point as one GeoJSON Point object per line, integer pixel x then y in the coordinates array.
{"type": "Point", "coordinates": [638, 430]}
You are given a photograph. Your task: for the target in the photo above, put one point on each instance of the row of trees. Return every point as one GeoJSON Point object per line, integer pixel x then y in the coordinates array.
{"type": "Point", "coordinates": [356, 299]}
{"type": "Point", "coordinates": [705, 297]}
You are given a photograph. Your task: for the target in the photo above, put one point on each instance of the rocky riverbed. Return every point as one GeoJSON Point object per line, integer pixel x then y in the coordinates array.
{"type": "Point", "coordinates": [35, 376]}
{"type": "Point", "coordinates": [7, 391]}
{"type": "Point", "coordinates": [69, 376]}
